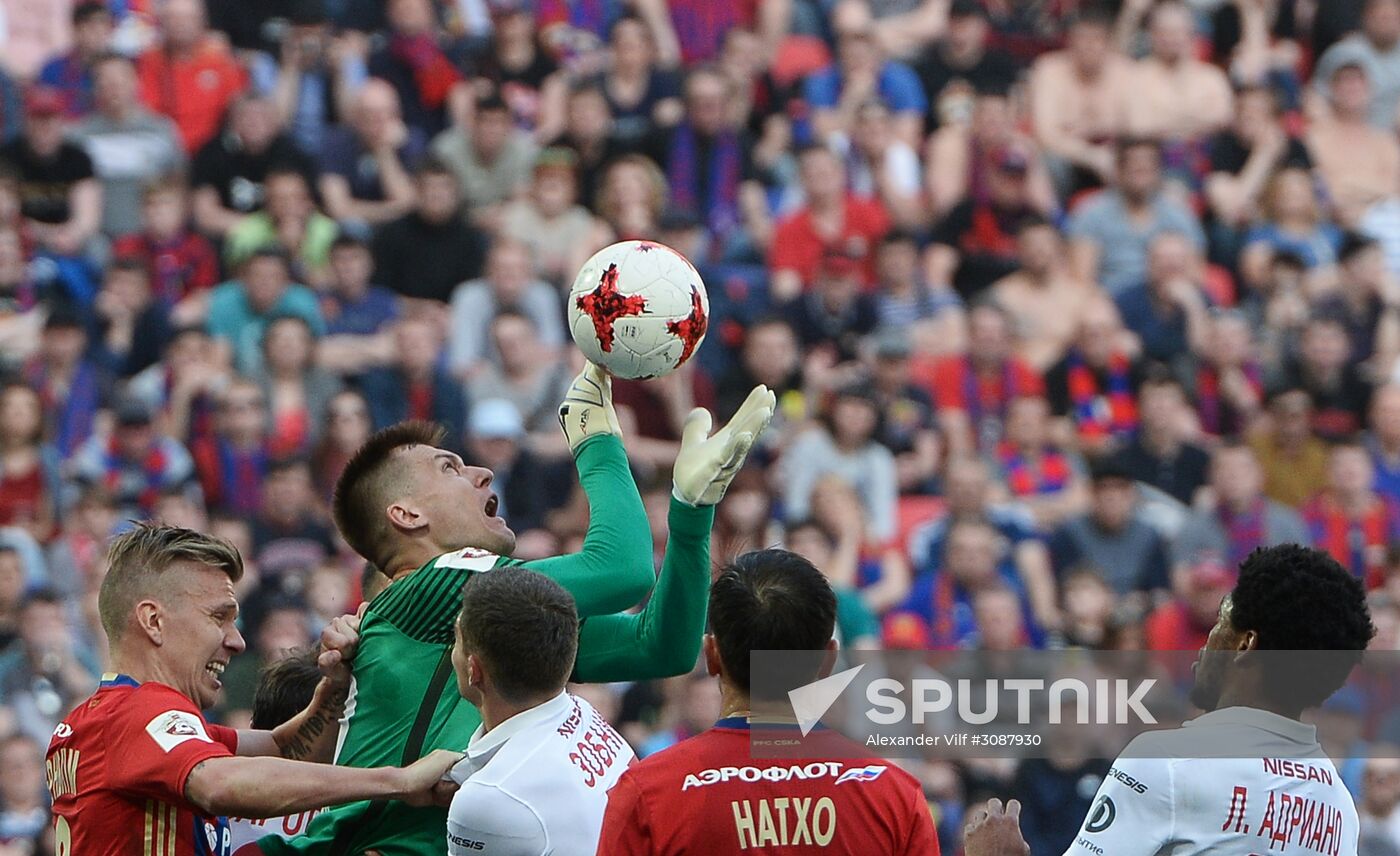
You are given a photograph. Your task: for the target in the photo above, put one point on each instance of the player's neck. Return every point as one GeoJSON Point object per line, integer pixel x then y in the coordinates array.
{"type": "Point", "coordinates": [1247, 697]}
{"type": "Point", "coordinates": [495, 710]}
{"type": "Point", "coordinates": [142, 667]}
{"type": "Point", "coordinates": [412, 556]}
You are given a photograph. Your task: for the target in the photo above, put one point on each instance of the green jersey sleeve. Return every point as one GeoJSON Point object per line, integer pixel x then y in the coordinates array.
{"type": "Point", "coordinates": [613, 571]}
{"type": "Point", "coordinates": [664, 638]}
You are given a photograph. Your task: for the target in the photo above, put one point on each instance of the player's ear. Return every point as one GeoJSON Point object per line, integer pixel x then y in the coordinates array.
{"type": "Point", "coordinates": [150, 620]}
{"type": "Point", "coordinates": [828, 659]}
{"type": "Point", "coordinates": [404, 517]}
{"type": "Point", "coordinates": [711, 651]}
{"type": "Point", "coordinates": [476, 676]}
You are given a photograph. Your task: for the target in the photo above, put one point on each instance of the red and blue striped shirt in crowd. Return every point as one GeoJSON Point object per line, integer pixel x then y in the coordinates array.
{"type": "Point", "coordinates": [1047, 472]}
{"type": "Point", "coordinates": [1107, 411]}
{"type": "Point", "coordinates": [1359, 542]}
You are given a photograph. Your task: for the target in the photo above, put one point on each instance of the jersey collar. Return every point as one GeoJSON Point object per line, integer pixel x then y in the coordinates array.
{"type": "Point", "coordinates": [1290, 729]}
{"type": "Point", "coordinates": [113, 679]}
{"type": "Point", "coordinates": [483, 744]}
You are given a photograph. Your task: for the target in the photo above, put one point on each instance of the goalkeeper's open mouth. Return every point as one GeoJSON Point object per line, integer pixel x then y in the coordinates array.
{"type": "Point", "coordinates": [493, 504]}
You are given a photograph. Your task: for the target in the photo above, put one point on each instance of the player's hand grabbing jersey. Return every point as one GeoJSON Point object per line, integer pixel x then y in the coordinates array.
{"type": "Point", "coordinates": [537, 784]}
{"type": "Point", "coordinates": [1286, 798]}
{"type": "Point", "coordinates": [117, 767]}
{"type": "Point", "coordinates": [708, 795]}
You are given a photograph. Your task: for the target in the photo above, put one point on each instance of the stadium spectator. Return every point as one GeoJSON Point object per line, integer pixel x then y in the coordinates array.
{"type": "Point", "coordinates": [1045, 478]}
{"type": "Point", "coordinates": [831, 221]}
{"type": "Point", "coordinates": [1365, 302]}
{"type": "Point", "coordinates": [1383, 439]}
{"type": "Point", "coordinates": [358, 313]}
{"type": "Point", "coordinates": [964, 57]}
{"type": "Point", "coordinates": [860, 72]}
{"type": "Point", "coordinates": [289, 220]}
{"type": "Point", "coordinates": [30, 485]}
{"type": "Point", "coordinates": [191, 76]}
{"type": "Point", "coordinates": [831, 318]}
{"type": "Point", "coordinates": [416, 385]}
{"type": "Point", "coordinates": [70, 385]}
{"type": "Point", "coordinates": [962, 156]}
{"type": "Point", "coordinates": [1360, 163]}
{"type": "Point", "coordinates": [524, 483]}
{"type": "Point", "coordinates": [558, 230]}
{"type": "Point", "coordinates": [1162, 454]}
{"type": "Point", "coordinates": [427, 252]}
{"type": "Point", "coordinates": [182, 263]}
{"type": "Point", "coordinates": [239, 310]}
{"type": "Point", "coordinates": [1079, 104]}
{"type": "Point", "coordinates": [1227, 382]}
{"type": "Point", "coordinates": [931, 314]}
{"type": "Point", "coordinates": [491, 160]}
{"type": "Point", "coordinates": [845, 444]}
{"type": "Point", "coordinates": [1041, 296]}
{"type": "Point", "coordinates": [290, 539]}
{"type": "Point", "coordinates": [367, 165]}
{"type": "Point", "coordinates": [973, 391]}
{"type": "Point", "coordinates": [908, 423]}
{"type": "Point", "coordinates": [642, 96]}
{"type": "Point", "coordinates": [228, 173]}
{"type": "Point", "coordinates": [1291, 221]}
{"type": "Point", "coordinates": [1093, 388]}
{"type": "Point", "coordinates": [1350, 520]}
{"type": "Point", "coordinates": [1240, 520]}
{"type": "Point", "coordinates": [346, 427]}
{"type": "Point", "coordinates": [1168, 79]}
{"type": "Point", "coordinates": [24, 807]}
{"type": "Point", "coordinates": [1294, 460]}
{"type": "Point", "coordinates": [137, 462]}
{"type": "Point", "coordinates": [315, 77]}
{"type": "Point", "coordinates": [1111, 540]}
{"type": "Point", "coordinates": [1243, 156]}
{"type": "Point", "coordinates": [1113, 232]}
{"type": "Point", "coordinates": [60, 197]}
{"type": "Point", "coordinates": [46, 671]}
{"type": "Point", "coordinates": [295, 388]}
{"type": "Point", "coordinates": [232, 462]}
{"type": "Point", "coordinates": [1323, 367]}
{"type": "Point", "coordinates": [508, 285]}
{"type": "Point", "coordinates": [71, 72]}
{"type": "Point", "coordinates": [1167, 310]}
{"type": "Point", "coordinates": [129, 146]}
{"type": "Point", "coordinates": [131, 327]}
{"type": "Point", "coordinates": [521, 370]}
{"type": "Point", "coordinates": [422, 66]}
{"type": "Point", "coordinates": [1376, 48]}
{"type": "Point", "coordinates": [1184, 622]}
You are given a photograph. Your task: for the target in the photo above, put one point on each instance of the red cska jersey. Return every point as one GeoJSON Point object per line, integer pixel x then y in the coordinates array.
{"type": "Point", "coordinates": [117, 767]}
{"type": "Point", "coordinates": [710, 795]}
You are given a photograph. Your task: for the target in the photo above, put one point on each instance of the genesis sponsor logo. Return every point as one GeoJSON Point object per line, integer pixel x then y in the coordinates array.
{"type": "Point", "coordinates": [1127, 780]}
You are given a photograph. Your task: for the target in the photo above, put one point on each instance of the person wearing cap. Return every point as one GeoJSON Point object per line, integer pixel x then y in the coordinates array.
{"type": "Point", "coordinates": [974, 245]}
{"type": "Point", "coordinates": [1110, 538]}
{"type": "Point", "coordinates": [136, 462]}
{"type": "Point", "coordinates": [860, 72]}
{"type": "Point", "coordinates": [1359, 162]}
{"type": "Point", "coordinates": [1177, 98]}
{"type": "Point", "coordinates": [366, 164]}
{"type": "Point", "coordinates": [60, 197]}
{"type": "Point", "coordinates": [71, 72]}
{"type": "Point", "coordinates": [548, 219]}
{"type": "Point", "coordinates": [130, 146]}
{"type": "Point", "coordinates": [834, 315]}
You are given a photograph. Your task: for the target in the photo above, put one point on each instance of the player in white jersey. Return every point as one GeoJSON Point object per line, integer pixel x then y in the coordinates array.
{"type": "Point", "coordinates": [1269, 787]}
{"type": "Point", "coordinates": [536, 775]}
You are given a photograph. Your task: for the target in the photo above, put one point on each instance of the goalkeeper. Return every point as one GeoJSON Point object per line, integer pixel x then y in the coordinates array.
{"type": "Point", "coordinates": [429, 522]}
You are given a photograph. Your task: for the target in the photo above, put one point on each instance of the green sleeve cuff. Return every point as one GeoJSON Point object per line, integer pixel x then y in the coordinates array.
{"type": "Point", "coordinates": [690, 521]}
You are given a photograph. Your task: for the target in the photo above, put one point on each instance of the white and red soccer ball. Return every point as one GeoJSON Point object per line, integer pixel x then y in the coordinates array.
{"type": "Point", "coordinates": [638, 309]}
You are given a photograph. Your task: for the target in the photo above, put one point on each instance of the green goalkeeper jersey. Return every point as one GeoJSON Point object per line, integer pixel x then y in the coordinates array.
{"type": "Point", "coordinates": [404, 693]}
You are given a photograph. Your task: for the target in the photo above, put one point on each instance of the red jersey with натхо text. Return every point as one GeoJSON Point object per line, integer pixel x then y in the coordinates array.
{"type": "Point", "coordinates": [116, 771]}
{"type": "Point", "coordinates": [710, 795]}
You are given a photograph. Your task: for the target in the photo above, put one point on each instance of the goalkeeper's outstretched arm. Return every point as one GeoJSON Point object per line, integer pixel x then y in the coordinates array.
{"type": "Point", "coordinates": [664, 638]}
{"type": "Point", "coordinates": [614, 569]}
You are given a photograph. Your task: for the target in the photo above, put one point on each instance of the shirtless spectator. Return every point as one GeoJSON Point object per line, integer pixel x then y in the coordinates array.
{"type": "Point", "coordinates": [1377, 49]}
{"type": "Point", "coordinates": [1359, 162]}
{"type": "Point", "coordinates": [1176, 98]}
{"type": "Point", "coordinates": [1110, 233]}
{"type": "Point", "coordinates": [1079, 101]}
{"type": "Point", "coordinates": [1246, 154]}
{"type": "Point", "coordinates": [1043, 299]}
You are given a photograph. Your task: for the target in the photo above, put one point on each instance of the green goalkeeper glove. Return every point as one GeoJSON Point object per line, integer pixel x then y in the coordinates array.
{"type": "Point", "coordinates": [706, 465]}
{"type": "Point", "coordinates": [587, 408]}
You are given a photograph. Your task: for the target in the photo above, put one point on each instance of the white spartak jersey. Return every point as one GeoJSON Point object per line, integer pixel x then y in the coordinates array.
{"type": "Point", "coordinates": [1161, 797]}
{"type": "Point", "coordinates": [537, 784]}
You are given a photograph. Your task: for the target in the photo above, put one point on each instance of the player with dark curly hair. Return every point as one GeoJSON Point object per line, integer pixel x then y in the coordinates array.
{"type": "Point", "coordinates": [1248, 776]}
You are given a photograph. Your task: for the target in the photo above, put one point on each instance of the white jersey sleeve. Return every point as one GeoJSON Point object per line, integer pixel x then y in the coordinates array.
{"type": "Point", "coordinates": [487, 821]}
{"type": "Point", "coordinates": [1133, 813]}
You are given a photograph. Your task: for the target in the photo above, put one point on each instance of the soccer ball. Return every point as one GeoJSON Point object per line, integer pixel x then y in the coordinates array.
{"type": "Point", "coordinates": [638, 309]}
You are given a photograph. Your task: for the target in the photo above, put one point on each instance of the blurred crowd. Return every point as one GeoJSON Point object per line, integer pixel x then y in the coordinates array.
{"type": "Point", "coordinates": [1068, 307]}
